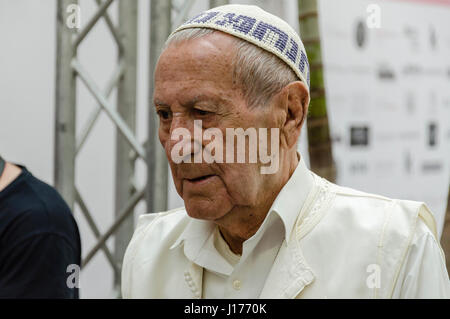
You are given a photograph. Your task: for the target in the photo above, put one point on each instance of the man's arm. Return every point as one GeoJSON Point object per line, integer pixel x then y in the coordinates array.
{"type": "Point", "coordinates": [423, 274]}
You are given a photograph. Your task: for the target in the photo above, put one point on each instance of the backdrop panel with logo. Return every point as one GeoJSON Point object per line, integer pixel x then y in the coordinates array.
{"type": "Point", "coordinates": [388, 93]}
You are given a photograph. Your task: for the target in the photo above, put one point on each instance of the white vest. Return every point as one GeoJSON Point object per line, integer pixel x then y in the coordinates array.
{"type": "Point", "coordinates": [345, 244]}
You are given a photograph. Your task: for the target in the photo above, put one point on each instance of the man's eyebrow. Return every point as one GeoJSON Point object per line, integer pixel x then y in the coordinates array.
{"type": "Point", "coordinates": [160, 103]}
{"type": "Point", "coordinates": [218, 101]}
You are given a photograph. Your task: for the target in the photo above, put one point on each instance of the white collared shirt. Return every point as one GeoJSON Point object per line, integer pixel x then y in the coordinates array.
{"type": "Point", "coordinates": [342, 243]}
{"type": "Point", "coordinates": [227, 275]}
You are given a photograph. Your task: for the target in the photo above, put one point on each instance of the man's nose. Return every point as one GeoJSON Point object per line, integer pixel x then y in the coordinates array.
{"type": "Point", "coordinates": [182, 130]}
{"type": "Point", "coordinates": [180, 120]}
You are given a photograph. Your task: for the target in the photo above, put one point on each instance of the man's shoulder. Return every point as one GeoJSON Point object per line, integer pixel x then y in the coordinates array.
{"type": "Point", "coordinates": [168, 218]}
{"type": "Point", "coordinates": [47, 205]}
{"type": "Point", "coordinates": [365, 209]}
{"type": "Point", "coordinates": [353, 197]}
{"type": "Point", "coordinates": [154, 234]}
{"type": "Point", "coordinates": [161, 227]}
{"type": "Point", "coordinates": [37, 207]}
{"type": "Point", "coordinates": [352, 193]}
{"type": "Point", "coordinates": [368, 229]}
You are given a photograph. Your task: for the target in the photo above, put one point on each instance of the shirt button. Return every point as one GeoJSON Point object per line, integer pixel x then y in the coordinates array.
{"type": "Point", "coordinates": [237, 284]}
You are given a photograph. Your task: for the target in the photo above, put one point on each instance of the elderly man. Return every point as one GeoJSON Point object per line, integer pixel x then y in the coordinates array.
{"type": "Point", "coordinates": [248, 231]}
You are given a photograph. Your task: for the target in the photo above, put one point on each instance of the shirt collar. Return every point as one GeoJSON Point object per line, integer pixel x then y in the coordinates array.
{"type": "Point", "coordinates": [287, 205]}
{"type": "Point", "coordinates": [292, 196]}
{"type": "Point", "coordinates": [198, 240]}
{"type": "Point", "coordinates": [196, 230]}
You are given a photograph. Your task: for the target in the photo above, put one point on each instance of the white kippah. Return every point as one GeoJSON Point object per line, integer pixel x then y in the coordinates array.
{"type": "Point", "coordinates": [259, 27]}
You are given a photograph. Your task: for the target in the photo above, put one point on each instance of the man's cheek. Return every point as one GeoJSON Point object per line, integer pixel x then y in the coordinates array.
{"type": "Point", "coordinates": [242, 183]}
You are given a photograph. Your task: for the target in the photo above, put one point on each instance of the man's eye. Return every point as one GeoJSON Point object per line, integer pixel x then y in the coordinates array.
{"type": "Point", "coordinates": [165, 115]}
{"type": "Point", "coordinates": [201, 112]}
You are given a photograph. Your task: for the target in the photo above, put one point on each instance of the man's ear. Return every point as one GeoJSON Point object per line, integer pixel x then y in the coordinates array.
{"type": "Point", "coordinates": [295, 99]}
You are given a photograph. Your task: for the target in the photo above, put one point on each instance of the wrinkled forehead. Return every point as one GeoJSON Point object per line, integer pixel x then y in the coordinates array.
{"type": "Point", "coordinates": [201, 66]}
{"type": "Point", "coordinates": [206, 58]}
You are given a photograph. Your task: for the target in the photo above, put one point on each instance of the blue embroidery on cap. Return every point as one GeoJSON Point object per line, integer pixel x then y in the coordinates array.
{"type": "Point", "coordinates": [264, 32]}
{"type": "Point", "coordinates": [193, 19]}
{"type": "Point", "coordinates": [200, 19]}
{"type": "Point", "coordinates": [309, 71]}
{"type": "Point", "coordinates": [208, 17]}
{"type": "Point", "coordinates": [240, 23]}
{"type": "Point", "coordinates": [292, 53]}
{"type": "Point", "coordinates": [303, 61]}
{"type": "Point", "coordinates": [261, 30]}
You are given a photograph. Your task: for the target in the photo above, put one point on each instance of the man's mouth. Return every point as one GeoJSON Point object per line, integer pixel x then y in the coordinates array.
{"type": "Point", "coordinates": [199, 179]}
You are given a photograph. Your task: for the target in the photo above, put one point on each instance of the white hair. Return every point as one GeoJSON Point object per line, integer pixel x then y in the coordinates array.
{"type": "Point", "coordinates": [259, 73]}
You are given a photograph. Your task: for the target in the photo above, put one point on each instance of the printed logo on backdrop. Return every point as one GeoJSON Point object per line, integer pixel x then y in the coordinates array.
{"type": "Point", "coordinates": [359, 136]}
{"type": "Point", "coordinates": [360, 34]}
{"type": "Point", "coordinates": [412, 34]}
{"type": "Point", "coordinates": [407, 162]}
{"type": "Point", "coordinates": [433, 38]}
{"type": "Point", "coordinates": [386, 73]}
{"type": "Point", "coordinates": [432, 134]}
{"type": "Point", "coordinates": [412, 70]}
{"type": "Point", "coordinates": [358, 168]}
{"type": "Point", "coordinates": [432, 167]}
{"type": "Point", "coordinates": [336, 138]}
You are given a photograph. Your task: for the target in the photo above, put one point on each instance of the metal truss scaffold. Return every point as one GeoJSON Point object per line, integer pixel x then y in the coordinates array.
{"type": "Point", "coordinates": [164, 14]}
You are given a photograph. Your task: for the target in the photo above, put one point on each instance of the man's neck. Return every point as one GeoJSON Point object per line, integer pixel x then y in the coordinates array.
{"type": "Point", "coordinates": [237, 230]}
{"type": "Point", "coordinates": [10, 173]}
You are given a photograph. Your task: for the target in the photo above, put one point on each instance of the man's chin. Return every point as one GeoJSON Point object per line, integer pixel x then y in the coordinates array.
{"type": "Point", "coordinates": [202, 208]}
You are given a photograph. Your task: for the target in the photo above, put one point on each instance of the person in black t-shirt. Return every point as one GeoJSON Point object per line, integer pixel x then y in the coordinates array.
{"type": "Point", "coordinates": [40, 249]}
